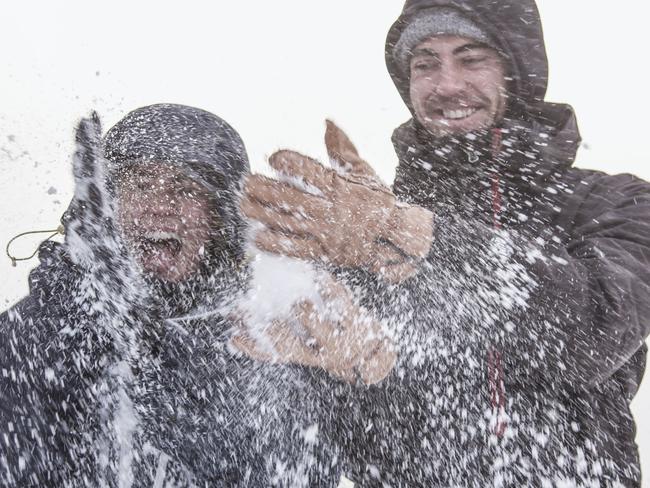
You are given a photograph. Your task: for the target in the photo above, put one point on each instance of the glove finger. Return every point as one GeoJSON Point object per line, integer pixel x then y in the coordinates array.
{"type": "Point", "coordinates": [340, 348]}
{"type": "Point", "coordinates": [290, 348]}
{"type": "Point", "coordinates": [293, 165]}
{"type": "Point", "coordinates": [347, 375]}
{"type": "Point", "coordinates": [285, 197]}
{"type": "Point", "coordinates": [341, 149]}
{"type": "Point", "coordinates": [378, 365]}
{"type": "Point", "coordinates": [287, 347]}
{"type": "Point", "coordinates": [396, 273]}
{"type": "Point", "coordinates": [308, 318]}
{"type": "Point", "coordinates": [246, 345]}
{"type": "Point", "coordinates": [273, 219]}
{"type": "Point", "coordinates": [334, 291]}
{"type": "Point", "coordinates": [386, 255]}
{"type": "Point", "coordinates": [88, 166]}
{"type": "Point", "coordinates": [291, 246]}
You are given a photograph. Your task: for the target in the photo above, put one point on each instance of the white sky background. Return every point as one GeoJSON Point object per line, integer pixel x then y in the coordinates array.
{"type": "Point", "coordinates": [275, 70]}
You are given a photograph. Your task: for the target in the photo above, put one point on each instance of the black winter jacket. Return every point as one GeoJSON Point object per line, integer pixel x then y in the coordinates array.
{"type": "Point", "coordinates": [522, 338]}
{"type": "Point", "coordinates": [196, 414]}
{"type": "Point", "coordinates": [104, 385]}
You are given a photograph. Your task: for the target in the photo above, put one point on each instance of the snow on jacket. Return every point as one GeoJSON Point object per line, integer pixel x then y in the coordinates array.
{"type": "Point", "coordinates": [100, 389]}
{"type": "Point", "coordinates": [522, 337]}
{"type": "Point", "coordinates": [196, 415]}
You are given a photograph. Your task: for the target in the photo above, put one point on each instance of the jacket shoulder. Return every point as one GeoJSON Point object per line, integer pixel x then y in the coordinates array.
{"type": "Point", "coordinates": [599, 181]}
{"type": "Point", "coordinates": [18, 317]}
{"type": "Point", "coordinates": [595, 194]}
{"type": "Point", "coordinates": [49, 289]}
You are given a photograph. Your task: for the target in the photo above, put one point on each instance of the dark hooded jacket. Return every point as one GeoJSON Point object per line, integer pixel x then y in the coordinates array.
{"type": "Point", "coordinates": [522, 337]}
{"type": "Point", "coordinates": [175, 406]}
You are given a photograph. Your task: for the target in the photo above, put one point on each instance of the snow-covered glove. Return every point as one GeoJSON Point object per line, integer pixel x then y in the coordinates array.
{"type": "Point", "coordinates": [334, 335]}
{"type": "Point", "coordinates": [94, 243]}
{"type": "Point", "coordinates": [346, 216]}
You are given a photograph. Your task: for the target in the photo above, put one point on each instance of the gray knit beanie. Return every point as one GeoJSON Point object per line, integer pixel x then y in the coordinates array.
{"type": "Point", "coordinates": [433, 22]}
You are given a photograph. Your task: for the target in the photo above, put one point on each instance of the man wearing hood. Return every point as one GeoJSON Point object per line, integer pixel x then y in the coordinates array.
{"type": "Point", "coordinates": [519, 284]}
{"type": "Point", "coordinates": [116, 369]}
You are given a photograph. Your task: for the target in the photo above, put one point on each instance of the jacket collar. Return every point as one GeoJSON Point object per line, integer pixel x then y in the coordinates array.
{"type": "Point", "coordinates": [530, 149]}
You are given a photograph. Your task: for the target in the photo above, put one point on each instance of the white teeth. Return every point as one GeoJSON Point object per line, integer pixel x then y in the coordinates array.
{"type": "Point", "coordinates": [161, 236]}
{"type": "Point", "coordinates": [458, 114]}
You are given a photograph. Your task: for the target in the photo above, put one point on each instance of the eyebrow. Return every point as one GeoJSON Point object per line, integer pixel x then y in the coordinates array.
{"type": "Point", "coordinates": [138, 173]}
{"type": "Point", "coordinates": [470, 47]}
{"type": "Point", "coordinates": [425, 51]}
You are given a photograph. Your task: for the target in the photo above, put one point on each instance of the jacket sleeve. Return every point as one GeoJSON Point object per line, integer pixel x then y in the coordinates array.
{"type": "Point", "coordinates": [27, 377]}
{"type": "Point", "coordinates": [44, 368]}
{"type": "Point", "coordinates": [593, 292]}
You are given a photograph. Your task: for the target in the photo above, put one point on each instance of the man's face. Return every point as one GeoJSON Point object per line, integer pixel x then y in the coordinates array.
{"type": "Point", "coordinates": [166, 220]}
{"type": "Point", "coordinates": [457, 86]}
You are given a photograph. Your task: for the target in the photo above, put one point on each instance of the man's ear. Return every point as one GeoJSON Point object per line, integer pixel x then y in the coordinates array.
{"type": "Point", "coordinates": [340, 149]}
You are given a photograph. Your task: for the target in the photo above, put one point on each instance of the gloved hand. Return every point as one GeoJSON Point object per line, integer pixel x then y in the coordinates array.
{"type": "Point", "coordinates": [345, 217]}
{"type": "Point", "coordinates": [94, 243]}
{"type": "Point", "coordinates": [338, 337]}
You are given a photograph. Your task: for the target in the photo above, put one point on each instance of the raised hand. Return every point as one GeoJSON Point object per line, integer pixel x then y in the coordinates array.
{"type": "Point", "coordinates": [345, 217]}
{"type": "Point", "coordinates": [94, 242]}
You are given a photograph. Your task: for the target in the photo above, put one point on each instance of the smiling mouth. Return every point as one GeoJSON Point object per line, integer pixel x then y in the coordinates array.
{"type": "Point", "coordinates": [456, 114]}
{"type": "Point", "coordinates": [167, 242]}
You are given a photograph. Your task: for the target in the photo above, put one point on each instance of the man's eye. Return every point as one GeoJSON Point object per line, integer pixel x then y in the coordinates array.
{"type": "Point", "coordinates": [138, 186]}
{"type": "Point", "coordinates": [191, 192]}
{"type": "Point", "coordinates": [423, 66]}
{"type": "Point", "coordinates": [474, 61]}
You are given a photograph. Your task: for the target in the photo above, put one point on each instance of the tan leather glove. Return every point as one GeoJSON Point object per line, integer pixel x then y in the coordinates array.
{"type": "Point", "coordinates": [347, 217]}
{"type": "Point", "coordinates": [349, 345]}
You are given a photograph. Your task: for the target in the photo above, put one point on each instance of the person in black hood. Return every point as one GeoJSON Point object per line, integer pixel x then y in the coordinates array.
{"type": "Point", "coordinates": [118, 369]}
{"type": "Point", "coordinates": [521, 331]}
{"type": "Point", "coordinates": [178, 171]}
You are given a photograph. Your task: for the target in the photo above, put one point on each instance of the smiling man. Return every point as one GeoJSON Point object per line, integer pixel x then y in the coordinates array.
{"type": "Point", "coordinates": [521, 283]}
{"type": "Point", "coordinates": [456, 65]}
{"type": "Point", "coordinates": [457, 72]}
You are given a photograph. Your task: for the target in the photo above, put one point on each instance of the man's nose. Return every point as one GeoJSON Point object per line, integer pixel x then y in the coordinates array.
{"type": "Point", "coordinates": [450, 81]}
{"type": "Point", "coordinates": [159, 198]}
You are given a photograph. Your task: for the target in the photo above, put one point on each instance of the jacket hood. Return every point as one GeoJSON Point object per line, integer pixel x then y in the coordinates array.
{"type": "Point", "coordinates": [203, 145]}
{"type": "Point", "coordinates": [514, 24]}
{"type": "Point", "coordinates": [205, 148]}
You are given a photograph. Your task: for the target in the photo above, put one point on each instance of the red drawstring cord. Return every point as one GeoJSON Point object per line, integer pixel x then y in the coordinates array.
{"type": "Point", "coordinates": [495, 364]}
{"type": "Point", "coordinates": [497, 389]}
{"type": "Point", "coordinates": [496, 181]}
{"type": "Point", "coordinates": [496, 201]}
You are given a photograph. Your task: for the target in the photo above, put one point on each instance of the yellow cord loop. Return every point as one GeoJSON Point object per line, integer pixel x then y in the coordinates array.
{"type": "Point", "coordinates": [59, 230]}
